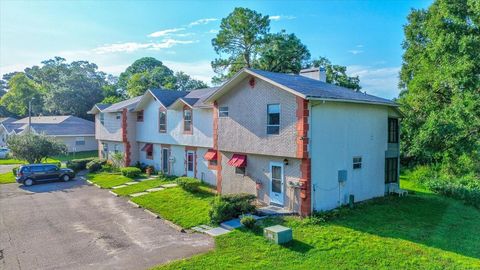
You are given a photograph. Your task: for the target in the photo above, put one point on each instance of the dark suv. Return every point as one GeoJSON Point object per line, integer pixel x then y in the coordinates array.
{"type": "Point", "coordinates": [33, 173]}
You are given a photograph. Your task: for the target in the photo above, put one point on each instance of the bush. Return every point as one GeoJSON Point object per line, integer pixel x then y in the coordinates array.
{"type": "Point", "coordinates": [107, 168]}
{"type": "Point", "coordinates": [248, 221]}
{"type": "Point", "coordinates": [468, 191]}
{"type": "Point", "coordinates": [78, 164]}
{"type": "Point", "coordinates": [130, 172]}
{"type": "Point", "coordinates": [231, 206]}
{"type": "Point", "coordinates": [14, 170]}
{"type": "Point", "coordinates": [188, 183]}
{"type": "Point", "coordinates": [95, 164]}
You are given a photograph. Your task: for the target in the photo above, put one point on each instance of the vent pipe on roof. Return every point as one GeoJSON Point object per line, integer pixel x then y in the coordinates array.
{"type": "Point", "coordinates": [319, 74]}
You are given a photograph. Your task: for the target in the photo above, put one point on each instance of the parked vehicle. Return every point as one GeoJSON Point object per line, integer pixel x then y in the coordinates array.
{"type": "Point", "coordinates": [4, 152]}
{"type": "Point", "coordinates": [33, 173]}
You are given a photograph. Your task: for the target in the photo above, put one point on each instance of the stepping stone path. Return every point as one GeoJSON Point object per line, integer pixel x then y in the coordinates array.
{"type": "Point", "coordinates": [131, 183]}
{"type": "Point", "coordinates": [155, 189]}
{"type": "Point", "coordinates": [168, 185]}
{"type": "Point", "coordinates": [119, 186]}
{"type": "Point", "coordinates": [225, 227]}
{"type": "Point", "coordinates": [138, 194]}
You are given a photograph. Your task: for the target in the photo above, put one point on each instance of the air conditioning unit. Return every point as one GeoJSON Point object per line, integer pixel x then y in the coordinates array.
{"type": "Point", "coordinates": [278, 234]}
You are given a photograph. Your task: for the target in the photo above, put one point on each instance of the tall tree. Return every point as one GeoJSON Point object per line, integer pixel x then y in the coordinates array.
{"type": "Point", "coordinates": [337, 74]}
{"type": "Point", "coordinates": [183, 82]}
{"type": "Point", "coordinates": [21, 91]}
{"type": "Point", "coordinates": [283, 52]}
{"type": "Point", "coordinates": [440, 82]}
{"type": "Point", "coordinates": [241, 35]}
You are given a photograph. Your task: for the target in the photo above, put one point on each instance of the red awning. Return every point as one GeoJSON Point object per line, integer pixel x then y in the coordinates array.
{"type": "Point", "coordinates": [210, 155]}
{"type": "Point", "coordinates": [148, 147]}
{"type": "Point", "coordinates": [238, 161]}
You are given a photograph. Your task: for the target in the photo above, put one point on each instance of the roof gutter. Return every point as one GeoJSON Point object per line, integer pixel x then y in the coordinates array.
{"type": "Point", "coordinates": [353, 101]}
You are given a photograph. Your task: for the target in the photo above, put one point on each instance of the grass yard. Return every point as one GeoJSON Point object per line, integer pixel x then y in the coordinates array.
{"type": "Point", "coordinates": [179, 206]}
{"type": "Point", "coordinates": [11, 161]}
{"type": "Point", "coordinates": [56, 159]}
{"type": "Point", "coordinates": [6, 178]}
{"type": "Point", "coordinates": [142, 186]}
{"type": "Point", "coordinates": [108, 180]}
{"type": "Point", "coordinates": [420, 231]}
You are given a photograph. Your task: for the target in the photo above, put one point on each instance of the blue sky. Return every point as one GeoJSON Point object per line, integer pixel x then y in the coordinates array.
{"type": "Point", "coordinates": [365, 36]}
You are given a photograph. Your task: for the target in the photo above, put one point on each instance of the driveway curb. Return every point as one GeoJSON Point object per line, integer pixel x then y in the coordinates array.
{"type": "Point", "coordinates": [151, 213]}
{"type": "Point", "coordinates": [134, 204]}
{"type": "Point", "coordinates": [113, 193]}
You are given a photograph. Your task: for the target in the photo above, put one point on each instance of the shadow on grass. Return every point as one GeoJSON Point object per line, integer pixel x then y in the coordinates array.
{"type": "Point", "coordinates": [298, 246]}
{"type": "Point", "coordinates": [425, 219]}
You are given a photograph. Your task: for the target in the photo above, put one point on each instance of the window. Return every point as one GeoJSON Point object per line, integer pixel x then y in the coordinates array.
{"type": "Point", "coordinates": [118, 116]}
{"type": "Point", "coordinates": [357, 162]}
{"type": "Point", "coordinates": [223, 112]}
{"type": "Point", "coordinates": [187, 120]}
{"type": "Point", "coordinates": [391, 170]}
{"type": "Point", "coordinates": [102, 118]}
{"type": "Point", "coordinates": [162, 121]}
{"type": "Point", "coordinates": [51, 168]}
{"type": "Point", "coordinates": [273, 119]}
{"type": "Point", "coordinates": [240, 170]}
{"type": "Point", "coordinates": [150, 153]}
{"type": "Point", "coordinates": [140, 116]}
{"type": "Point", "coordinates": [212, 163]}
{"type": "Point", "coordinates": [115, 148]}
{"type": "Point", "coordinates": [392, 130]}
{"type": "Point", "coordinates": [37, 169]}
{"type": "Point", "coordinates": [80, 141]}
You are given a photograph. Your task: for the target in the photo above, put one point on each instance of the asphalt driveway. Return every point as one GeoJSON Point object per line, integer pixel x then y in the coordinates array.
{"type": "Point", "coordinates": [76, 226]}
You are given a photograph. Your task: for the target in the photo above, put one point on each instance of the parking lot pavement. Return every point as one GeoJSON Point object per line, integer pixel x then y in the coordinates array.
{"type": "Point", "coordinates": [76, 226]}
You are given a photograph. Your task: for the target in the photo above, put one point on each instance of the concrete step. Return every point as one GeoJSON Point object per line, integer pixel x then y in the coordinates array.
{"type": "Point", "coordinates": [155, 189]}
{"type": "Point", "coordinates": [119, 186]}
{"type": "Point", "coordinates": [217, 231]}
{"type": "Point", "coordinates": [168, 185]}
{"type": "Point", "coordinates": [131, 183]}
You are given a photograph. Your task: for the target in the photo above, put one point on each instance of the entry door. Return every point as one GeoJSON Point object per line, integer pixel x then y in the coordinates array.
{"type": "Point", "coordinates": [276, 187]}
{"type": "Point", "coordinates": [165, 161]}
{"type": "Point", "coordinates": [190, 164]}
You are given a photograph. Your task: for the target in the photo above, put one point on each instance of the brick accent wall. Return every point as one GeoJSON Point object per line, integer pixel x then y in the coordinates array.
{"type": "Point", "coordinates": [125, 141]}
{"type": "Point", "coordinates": [302, 153]}
{"type": "Point", "coordinates": [215, 147]}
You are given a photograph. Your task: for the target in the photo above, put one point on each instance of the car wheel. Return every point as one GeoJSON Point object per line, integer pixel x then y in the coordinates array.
{"type": "Point", "coordinates": [66, 178]}
{"type": "Point", "coordinates": [28, 182]}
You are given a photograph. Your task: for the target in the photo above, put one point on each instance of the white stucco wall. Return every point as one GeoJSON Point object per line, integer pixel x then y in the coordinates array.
{"type": "Point", "coordinates": [111, 129]}
{"type": "Point", "coordinates": [147, 131]}
{"type": "Point", "coordinates": [111, 146]}
{"type": "Point", "coordinates": [178, 166]}
{"type": "Point", "coordinates": [339, 132]}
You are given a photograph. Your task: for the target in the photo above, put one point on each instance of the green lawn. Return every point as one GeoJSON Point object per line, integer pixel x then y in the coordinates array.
{"type": "Point", "coordinates": [420, 231]}
{"type": "Point", "coordinates": [60, 158]}
{"type": "Point", "coordinates": [179, 206]}
{"type": "Point", "coordinates": [6, 178]}
{"type": "Point", "coordinates": [108, 180]}
{"type": "Point", "coordinates": [142, 186]}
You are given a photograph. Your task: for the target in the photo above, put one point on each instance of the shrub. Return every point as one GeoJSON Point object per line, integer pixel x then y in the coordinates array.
{"type": "Point", "coordinates": [468, 192]}
{"type": "Point", "coordinates": [248, 221]}
{"type": "Point", "coordinates": [78, 164]}
{"type": "Point", "coordinates": [131, 172]}
{"type": "Point", "coordinates": [231, 206]}
{"type": "Point", "coordinates": [107, 168]}
{"type": "Point", "coordinates": [95, 164]}
{"type": "Point", "coordinates": [188, 183]}
{"type": "Point", "coordinates": [34, 148]}
{"type": "Point", "coordinates": [14, 170]}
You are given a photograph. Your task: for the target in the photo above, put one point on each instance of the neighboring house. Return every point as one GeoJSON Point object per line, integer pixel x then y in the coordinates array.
{"type": "Point", "coordinates": [295, 142]}
{"type": "Point", "coordinates": [3, 131]}
{"type": "Point", "coordinates": [77, 133]}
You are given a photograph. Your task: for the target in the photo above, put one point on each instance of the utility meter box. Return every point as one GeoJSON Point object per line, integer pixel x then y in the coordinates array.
{"type": "Point", "coordinates": [342, 176]}
{"type": "Point", "coordinates": [278, 234]}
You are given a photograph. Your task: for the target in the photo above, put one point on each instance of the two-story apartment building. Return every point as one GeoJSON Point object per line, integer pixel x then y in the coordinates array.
{"type": "Point", "coordinates": [293, 141]}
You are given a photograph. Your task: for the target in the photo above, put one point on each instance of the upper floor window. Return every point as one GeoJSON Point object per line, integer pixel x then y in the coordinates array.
{"type": "Point", "coordinates": [273, 119]}
{"type": "Point", "coordinates": [223, 112]}
{"type": "Point", "coordinates": [392, 130]}
{"type": "Point", "coordinates": [162, 121]}
{"type": "Point", "coordinates": [187, 120]}
{"type": "Point", "coordinates": [102, 118]}
{"type": "Point", "coordinates": [118, 116]}
{"type": "Point", "coordinates": [80, 141]}
{"type": "Point", "coordinates": [140, 116]}
{"type": "Point", "coordinates": [357, 162]}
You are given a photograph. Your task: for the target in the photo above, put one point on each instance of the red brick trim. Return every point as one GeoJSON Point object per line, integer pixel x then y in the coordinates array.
{"type": "Point", "coordinates": [125, 141]}
{"type": "Point", "coordinates": [302, 153]}
{"type": "Point", "coordinates": [215, 147]}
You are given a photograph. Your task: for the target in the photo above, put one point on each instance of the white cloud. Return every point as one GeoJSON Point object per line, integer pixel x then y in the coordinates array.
{"type": "Point", "coordinates": [281, 17]}
{"type": "Point", "coordinates": [355, 52]}
{"type": "Point", "coordinates": [135, 46]}
{"type": "Point", "coordinates": [165, 32]}
{"type": "Point", "coordinates": [379, 81]}
{"type": "Point", "coordinates": [202, 21]}
{"type": "Point", "coordinates": [200, 70]}
{"type": "Point", "coordinates": [213, 31]}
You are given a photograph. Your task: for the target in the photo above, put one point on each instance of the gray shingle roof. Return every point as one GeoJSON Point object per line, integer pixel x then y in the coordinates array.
{"type": "Point", "coordinates": [126, 104]}
{"type": "Point", "coordinates": [102, 106]}
{"type": "Point", "coordinates": [317, 89]}
{"type": "Point", "coordinates": [55, 125]}
{"type": "Point", "coordinates": [167, 97]}
{"type": "Point", "coordinates": [201, 95]}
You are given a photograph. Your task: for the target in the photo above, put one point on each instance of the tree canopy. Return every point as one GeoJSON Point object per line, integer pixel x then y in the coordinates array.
{"type": "Point", "coordinates": [337, 74]}
{"type": "Point", "coordinates": [440, 83]}
{"type": "Point", "coordinates": [35, 148]}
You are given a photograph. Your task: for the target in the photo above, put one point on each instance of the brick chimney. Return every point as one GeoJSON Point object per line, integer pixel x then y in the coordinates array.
{"type": "Point", "coordinates": [315, 73]}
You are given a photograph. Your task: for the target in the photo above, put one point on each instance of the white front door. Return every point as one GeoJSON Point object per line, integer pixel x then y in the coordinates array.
{"type": "Point", "coordinates": [276, 183]}
{"type": "Point", "coordinates": [190, 164]}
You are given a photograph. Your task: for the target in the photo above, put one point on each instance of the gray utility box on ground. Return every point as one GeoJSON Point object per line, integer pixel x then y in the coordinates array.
{"type": "Point", "coordinates": [278, 234]}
